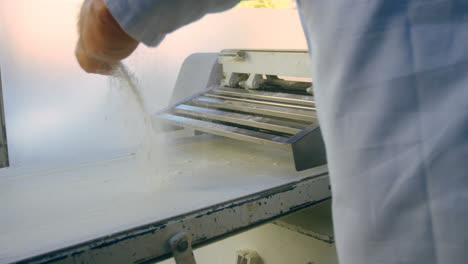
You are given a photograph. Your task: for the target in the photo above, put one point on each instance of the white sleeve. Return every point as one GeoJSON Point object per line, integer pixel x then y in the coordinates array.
{"type": "Point", "coordinates": [148, 21]}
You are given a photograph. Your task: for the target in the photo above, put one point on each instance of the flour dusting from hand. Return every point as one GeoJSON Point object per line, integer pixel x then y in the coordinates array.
{"type": "Point", "coordinates": [150, 151]}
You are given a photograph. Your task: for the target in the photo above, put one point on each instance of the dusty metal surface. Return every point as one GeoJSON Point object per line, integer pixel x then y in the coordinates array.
{"type": "Point", "coordinates": [149, 243]}
{"type": "Point", "coordinates": [51, 208]}
{"type": "Point", "coordinates": [314, 221]}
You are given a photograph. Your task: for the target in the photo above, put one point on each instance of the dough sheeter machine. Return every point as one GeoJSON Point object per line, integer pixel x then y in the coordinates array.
{"type": "Point", "coordinates": [246, 148]}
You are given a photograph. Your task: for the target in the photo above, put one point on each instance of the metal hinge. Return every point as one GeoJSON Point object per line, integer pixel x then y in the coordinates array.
{"type": "Point", "coordinates": [181, 246]}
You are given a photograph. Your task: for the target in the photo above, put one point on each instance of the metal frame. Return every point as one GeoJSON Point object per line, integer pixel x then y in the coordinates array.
{"type": "Point", "coordinates": [4, 159]}
{"type": "Point", "coordinates": [280, 119]}
{"type": "Point", "coordinates": [150, 243]}
{"type": "Point", "coordinates": [273, 62]}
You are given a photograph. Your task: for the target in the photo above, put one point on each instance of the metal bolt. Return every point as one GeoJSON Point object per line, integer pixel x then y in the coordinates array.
{"type": "Point", "coordinates": [182, 245]}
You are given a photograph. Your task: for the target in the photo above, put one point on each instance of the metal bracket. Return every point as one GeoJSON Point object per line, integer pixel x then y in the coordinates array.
{"type": "Point", "coordinates": [181, 246]}
{"type": "Point", "coordinates": [248, 256]}
{"type": "Point", "coordinates": [236, 55]}
{"type": "Point", "coordinates": [231, 79]}
{"type": "Point", "coordinates": [253, 82]}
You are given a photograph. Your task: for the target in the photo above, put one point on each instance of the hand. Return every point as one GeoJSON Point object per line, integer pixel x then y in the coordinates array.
{"type": "Point", "coordinates": [102, 42]}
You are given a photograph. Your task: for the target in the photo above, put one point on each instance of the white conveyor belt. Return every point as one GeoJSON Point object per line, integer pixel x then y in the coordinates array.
{"type": "Point", "coordinates": [62, 215]}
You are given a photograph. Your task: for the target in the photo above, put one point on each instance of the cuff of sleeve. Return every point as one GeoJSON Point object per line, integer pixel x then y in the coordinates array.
{"type": "Point", "coordinates": [132, 16]}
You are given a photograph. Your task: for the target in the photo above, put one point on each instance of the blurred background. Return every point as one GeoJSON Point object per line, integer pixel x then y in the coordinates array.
{"type": "Point", "coordinates": [56, 112]}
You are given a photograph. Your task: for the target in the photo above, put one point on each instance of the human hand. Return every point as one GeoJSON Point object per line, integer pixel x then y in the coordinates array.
{"type": "Point", "coordinates": [102, 42]}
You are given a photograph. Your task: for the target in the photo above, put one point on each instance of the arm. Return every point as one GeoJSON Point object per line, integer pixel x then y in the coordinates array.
{"type": "Point", "coordinates": [110, 30]}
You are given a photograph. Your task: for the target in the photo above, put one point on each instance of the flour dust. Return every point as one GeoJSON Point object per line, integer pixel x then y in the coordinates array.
{"type": "Point", "coordinates": [138, 125]}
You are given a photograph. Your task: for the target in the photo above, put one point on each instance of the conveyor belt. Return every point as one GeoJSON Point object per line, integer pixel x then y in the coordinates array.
{"type": "Point", "coordinates": [209, 187]}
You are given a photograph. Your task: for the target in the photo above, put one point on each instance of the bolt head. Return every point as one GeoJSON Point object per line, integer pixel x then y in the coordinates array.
{"type": "Point", "coordinates": [182, 245]}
